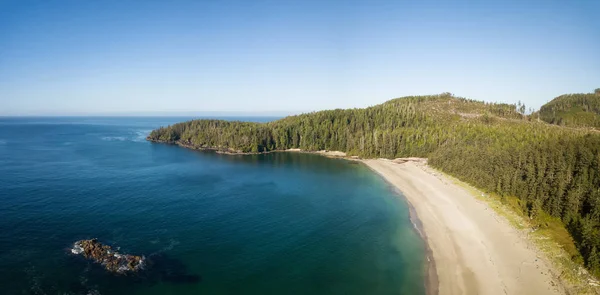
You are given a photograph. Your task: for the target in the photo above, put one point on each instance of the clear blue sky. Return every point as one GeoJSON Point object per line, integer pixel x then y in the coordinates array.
{"type": "Point", "coordinates": [103, 57]}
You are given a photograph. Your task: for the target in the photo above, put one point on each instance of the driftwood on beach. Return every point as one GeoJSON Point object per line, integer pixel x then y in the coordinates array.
{"type": "Point", "coordinates": [107, 257]}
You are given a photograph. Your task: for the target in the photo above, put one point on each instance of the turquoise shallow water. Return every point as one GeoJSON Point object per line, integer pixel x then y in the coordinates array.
{"type": "Point", "coordinates": [281, 223]}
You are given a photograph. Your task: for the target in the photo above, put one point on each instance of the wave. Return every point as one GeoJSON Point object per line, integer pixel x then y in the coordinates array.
{"type": "Point", "coordinates": [172, 244]}
{"type": "Point", "coordinates": [140, 135]}
{"type": "Point", "coordinates": [114, 138]}
{"type": "Point", "coordinates": [169, 247]}
{"type": "Point", "coordinates": [132, 135]}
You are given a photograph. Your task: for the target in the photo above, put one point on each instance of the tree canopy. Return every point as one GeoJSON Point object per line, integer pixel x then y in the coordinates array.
{"type": "Point", "coordinates": [577, 110]}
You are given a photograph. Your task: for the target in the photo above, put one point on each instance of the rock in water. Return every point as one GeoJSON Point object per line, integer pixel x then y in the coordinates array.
{"type": "Point", "coordinates": [105, 255]}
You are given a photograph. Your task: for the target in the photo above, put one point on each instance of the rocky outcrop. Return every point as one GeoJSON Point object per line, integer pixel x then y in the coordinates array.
{"type": "Point", "coordinates": [109, 258]}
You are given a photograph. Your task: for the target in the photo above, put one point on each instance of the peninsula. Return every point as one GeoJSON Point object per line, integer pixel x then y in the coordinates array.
{"type": "Point", "coordinates": [547, 173]}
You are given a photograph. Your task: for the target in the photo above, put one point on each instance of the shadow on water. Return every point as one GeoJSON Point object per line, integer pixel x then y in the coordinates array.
{"type": "Point", "coordinates": [163, 268]}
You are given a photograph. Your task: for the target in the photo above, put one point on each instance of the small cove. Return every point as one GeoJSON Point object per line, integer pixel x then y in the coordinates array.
{"type": "Point", "coordinates": [279, 223]}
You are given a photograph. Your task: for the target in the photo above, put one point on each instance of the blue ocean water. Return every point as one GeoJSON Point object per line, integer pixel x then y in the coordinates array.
{"type": "Point", "coordinates": [280, 223]}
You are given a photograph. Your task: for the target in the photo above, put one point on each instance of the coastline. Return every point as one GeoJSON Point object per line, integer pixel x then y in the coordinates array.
{"type": "Point", "coordinates": [326, 153]}
{"type": "Point", "coordinates": [469, 248]}
{"type": "Point", "coordinates": [431, 279]}
{"type": "Point", "coordinates": [473, 250]}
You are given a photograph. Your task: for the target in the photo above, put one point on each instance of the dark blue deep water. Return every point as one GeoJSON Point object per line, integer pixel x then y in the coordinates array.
{"type": "Point", "coordinates": [281, 223]}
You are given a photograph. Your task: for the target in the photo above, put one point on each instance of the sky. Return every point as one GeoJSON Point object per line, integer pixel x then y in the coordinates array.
{"type": "Point", "coordinates": [267, 57]}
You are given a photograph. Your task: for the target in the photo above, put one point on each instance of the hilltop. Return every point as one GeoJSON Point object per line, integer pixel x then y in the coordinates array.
{"type": "Point", "coordinates": [575, 110]}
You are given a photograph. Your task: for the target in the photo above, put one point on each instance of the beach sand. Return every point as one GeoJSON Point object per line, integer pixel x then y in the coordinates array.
{"type": "Point", "coordinates": [474, 250]}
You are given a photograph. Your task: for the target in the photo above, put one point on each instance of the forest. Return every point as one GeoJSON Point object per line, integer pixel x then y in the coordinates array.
{"type": "Point", "coordinates": [576, 110]}
{"type": "Point", "coordinates": [496, 147]}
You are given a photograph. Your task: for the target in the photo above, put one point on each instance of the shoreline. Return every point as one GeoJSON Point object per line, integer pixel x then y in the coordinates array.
{"type": "Point", "coordinates": [430, 271]}
{"type": "Point", "coordinates": [326, 153]}
{"type": "Point", "coordinates": [431, 279]}
{"type": "Point", "coordinates": [470, 250]}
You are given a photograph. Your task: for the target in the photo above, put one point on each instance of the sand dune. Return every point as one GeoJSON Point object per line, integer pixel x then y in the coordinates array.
{"type": "Point", "coordinates": [475, 251]}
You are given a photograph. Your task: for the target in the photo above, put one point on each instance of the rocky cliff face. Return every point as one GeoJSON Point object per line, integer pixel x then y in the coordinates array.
{"type": "Point", "coordinates": [109, 258]}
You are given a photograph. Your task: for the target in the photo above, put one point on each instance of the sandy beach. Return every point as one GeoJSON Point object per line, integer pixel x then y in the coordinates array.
{"type": "Point", "coordinates": [475, 251]}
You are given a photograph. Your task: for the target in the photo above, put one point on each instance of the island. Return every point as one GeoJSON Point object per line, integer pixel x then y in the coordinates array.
{"type": "Point", "coordinates": [509, 200]}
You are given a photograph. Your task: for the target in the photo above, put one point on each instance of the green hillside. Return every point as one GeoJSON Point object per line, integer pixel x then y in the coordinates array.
{"type": "Point", "coordinates": [549, 169]}
{"type": "Point", "coordinates": [400, 127]}
{"type": "Point", "coordinates": [575, 110]}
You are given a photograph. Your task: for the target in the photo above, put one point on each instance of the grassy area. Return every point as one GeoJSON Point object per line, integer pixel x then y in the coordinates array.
{"type": "Point", "coordinates": [547, 233]}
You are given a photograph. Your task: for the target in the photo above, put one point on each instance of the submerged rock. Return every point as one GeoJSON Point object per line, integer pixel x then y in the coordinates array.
{"type": "Point", "coordinates": [105, 255]}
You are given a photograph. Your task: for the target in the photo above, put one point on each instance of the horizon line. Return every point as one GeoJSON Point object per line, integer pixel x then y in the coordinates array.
{"type": "Point", "coordinates": [162, 114]}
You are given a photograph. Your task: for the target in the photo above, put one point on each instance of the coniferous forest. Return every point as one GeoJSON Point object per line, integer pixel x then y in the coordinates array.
{"type": "Point", "coordinates": [578, 110]}
{"type": "Point", "coordinates": [496, 147]}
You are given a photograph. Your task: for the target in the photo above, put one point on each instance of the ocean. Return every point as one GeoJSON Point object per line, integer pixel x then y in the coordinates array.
{"type": "Point", "coordinates": [278, 223]}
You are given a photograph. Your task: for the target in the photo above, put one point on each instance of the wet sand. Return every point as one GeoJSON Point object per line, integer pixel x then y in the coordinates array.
{"type": "Point", "coordinates": [474, 250]}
